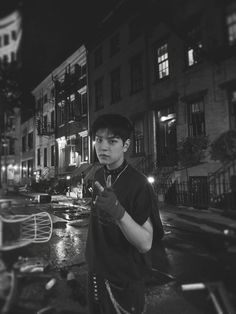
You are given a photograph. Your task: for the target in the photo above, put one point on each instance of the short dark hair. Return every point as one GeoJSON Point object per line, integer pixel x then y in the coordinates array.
{"type": "Point", "coordinates": [117, 124]}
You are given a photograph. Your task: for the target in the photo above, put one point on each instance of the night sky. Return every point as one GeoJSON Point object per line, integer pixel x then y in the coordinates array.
{"type": "Point", "coordinates": [52, 31]}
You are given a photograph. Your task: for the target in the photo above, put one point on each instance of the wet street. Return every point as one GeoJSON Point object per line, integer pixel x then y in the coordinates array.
{"type": "Point", "coordinates": [184, 256]}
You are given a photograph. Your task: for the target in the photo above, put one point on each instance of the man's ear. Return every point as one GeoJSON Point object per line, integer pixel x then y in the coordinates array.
{"type": "Point", "coordinates": [126, 145]}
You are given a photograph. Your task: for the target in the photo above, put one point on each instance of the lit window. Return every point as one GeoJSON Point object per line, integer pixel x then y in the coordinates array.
{"type": "Point", "coordinates": [194, 46]}
{"type": "Point", "coordinates": [73, 155]}
{"type": "Point", "coordinates": [231, 23]}
{"type": "Point", "coordinates": [162, 61]}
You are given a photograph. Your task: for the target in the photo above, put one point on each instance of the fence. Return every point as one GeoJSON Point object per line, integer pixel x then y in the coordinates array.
{"type": "Point", "coordinates": [201, 195]}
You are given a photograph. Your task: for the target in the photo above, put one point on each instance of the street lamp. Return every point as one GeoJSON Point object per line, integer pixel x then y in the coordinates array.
{"type": "Point", "coordinates": [68, 178]}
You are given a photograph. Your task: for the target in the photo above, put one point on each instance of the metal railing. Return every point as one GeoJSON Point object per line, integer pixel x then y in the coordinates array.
{"type": "Point", "coordinates": [200, 196]}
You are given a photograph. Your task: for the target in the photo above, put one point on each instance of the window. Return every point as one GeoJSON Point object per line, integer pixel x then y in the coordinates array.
{"type": "Point", "coordinates": [84, 104]}
{"type": "Point", "coordinates": [114, 44]}
{"type": "Point", "coordinates": [194, 46]}
{"type": "Point", "coordinates": [52, 119]}
{"type": "Point", "coordinates": [13, 35]}
{"type": "Point", "coordinates": [52, 155]}
{"type": "Point", "coordinates": [61, 112]}
{"type": "Point", "coordinates": [23, 142]}
{"type": "Point", "coordinates": [83, 70]}
{"type": "Point", "coordinates": [232, 106]}
{"type": "Point", "coordinates": [6, 39]}
{"type": "Point", "coordinates": [38, 157]}
{"type": "Point", "coordinates": [138, 136]}
{"type": "Point", "coordinates": [45, 98]}
{"type": "Point", "coordinates": [84, 148]}
{"type": "Point", "coordinates": [98, 57]}
{"type": "Point", "coordinates": [136, 74]}
{"type": "Point", "coordinates": [72, 155]}
{"type": "Point", "coordinates": [71, 107]}
{"type": "Point", "coordinates": [115, 85]}
{"type": "Point", "coordinates": [99, 94]}
{"type": "Point", "coordinates": [30, 140]}
{"type": "Point", "coordinates": [45, 157]}
{"type": "Point", "coordinates": [45, 122]}
{"type": "Point", "coordinates": [162, 61]}
{"type": "Point", "coordinates": [231, 23]}
{"type": "Point", "coordinates": [196, 118]}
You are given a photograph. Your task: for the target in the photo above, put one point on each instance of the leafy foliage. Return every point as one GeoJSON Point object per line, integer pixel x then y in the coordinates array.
{"type": "Point", "coordinates": [224, 147]}
{"type": "Point", "coordinates": [9, 85]}
{"type": "Point", "coordinates": [191, 150]}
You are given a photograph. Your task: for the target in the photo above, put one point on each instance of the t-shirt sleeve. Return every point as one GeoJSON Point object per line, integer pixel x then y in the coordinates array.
{"type": "Point", "coordinates": [142, 204]}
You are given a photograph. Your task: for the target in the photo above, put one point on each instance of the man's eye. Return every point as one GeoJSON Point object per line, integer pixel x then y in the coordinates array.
{"type": "Point", "coordinates": [112, 141]}
{"type": "Point", "coordinates": [98, 140]}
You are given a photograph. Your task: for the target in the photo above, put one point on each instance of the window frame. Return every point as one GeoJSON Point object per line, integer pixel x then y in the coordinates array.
{"type": "Point", "coordinates": [194, 114]}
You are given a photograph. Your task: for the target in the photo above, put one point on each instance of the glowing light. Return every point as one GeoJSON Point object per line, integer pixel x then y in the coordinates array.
{"type": "Point", "coordinates": [67, 177]}
{"type": "Point", "coordinates": [3, 168]}
{"type": "Point", "coordinates": [168, 117]}
{"type": "Point", "coordinates": [151, 179]}
{"type": "Point", "coordinates": [15, 167]}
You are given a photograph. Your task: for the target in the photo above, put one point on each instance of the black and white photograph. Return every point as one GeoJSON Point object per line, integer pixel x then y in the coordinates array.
{"type": "Point", "coordinates": [118, 157]}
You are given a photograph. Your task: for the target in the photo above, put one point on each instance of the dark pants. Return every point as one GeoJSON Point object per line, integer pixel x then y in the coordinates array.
{"type": "Point", "coordinates": [102, 297]}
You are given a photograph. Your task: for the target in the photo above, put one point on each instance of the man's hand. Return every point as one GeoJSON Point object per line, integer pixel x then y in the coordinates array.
{"type": "Point", "coordinates": [107, 200]}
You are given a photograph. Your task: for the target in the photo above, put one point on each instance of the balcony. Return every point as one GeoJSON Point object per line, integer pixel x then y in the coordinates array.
{"type": "Point", "coordinates": [45, 129]}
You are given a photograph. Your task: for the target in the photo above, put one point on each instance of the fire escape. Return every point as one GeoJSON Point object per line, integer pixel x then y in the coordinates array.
{"type": "Point", "coordinates": [71, 115]}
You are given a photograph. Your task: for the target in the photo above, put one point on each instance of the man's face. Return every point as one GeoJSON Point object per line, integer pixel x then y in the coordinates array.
{"type": "Point", "coordinates": [110, 150]}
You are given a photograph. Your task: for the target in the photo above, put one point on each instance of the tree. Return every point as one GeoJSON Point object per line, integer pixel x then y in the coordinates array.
{"type": "Point", "coordinates": [191, 150]}
{"type": "Point", "coordinates": [224, 147]}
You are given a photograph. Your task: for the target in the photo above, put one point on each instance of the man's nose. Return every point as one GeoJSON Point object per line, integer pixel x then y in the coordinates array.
{"type": "Point", "coordinates": [104, 145]}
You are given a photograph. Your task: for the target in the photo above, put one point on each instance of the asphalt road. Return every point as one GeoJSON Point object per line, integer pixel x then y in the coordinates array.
{"type": "Point", "coordinates": [185, 255]}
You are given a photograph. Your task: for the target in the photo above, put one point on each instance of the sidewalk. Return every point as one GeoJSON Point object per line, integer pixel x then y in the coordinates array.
{"type": "Point", "coordinates": [206, 220]}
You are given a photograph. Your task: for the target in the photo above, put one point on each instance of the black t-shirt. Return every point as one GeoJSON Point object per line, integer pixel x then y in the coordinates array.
{"type": "Point", "coordinates": [108, 252]}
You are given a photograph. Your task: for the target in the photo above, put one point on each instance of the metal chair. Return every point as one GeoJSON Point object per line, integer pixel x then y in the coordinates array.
{"type": "Point", "coordinates": [34, 228]}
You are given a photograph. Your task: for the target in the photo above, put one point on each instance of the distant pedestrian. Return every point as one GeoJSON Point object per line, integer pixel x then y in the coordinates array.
{"type": "Point", "coordinates": [123, 221]}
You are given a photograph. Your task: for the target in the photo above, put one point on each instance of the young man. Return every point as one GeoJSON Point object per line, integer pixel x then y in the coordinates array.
{"type": "Point", "coordinates": [121, 229]}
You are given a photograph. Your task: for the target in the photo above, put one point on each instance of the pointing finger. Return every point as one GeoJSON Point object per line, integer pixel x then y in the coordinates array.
{"type": "Point", "coordinates": [99, 186]}
{"type": "Point", "coordinates": [108, 181]}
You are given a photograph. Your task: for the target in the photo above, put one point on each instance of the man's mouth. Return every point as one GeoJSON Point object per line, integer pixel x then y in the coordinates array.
{"type": "Point", "coordinates": [103, 156]}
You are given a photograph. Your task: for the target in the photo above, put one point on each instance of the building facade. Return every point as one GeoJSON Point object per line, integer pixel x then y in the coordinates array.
{"type": "Point", "coordinates": [44, 153]}
{"type": "Point", "coordinates": [10, 37]}
{"type": "Point", "coordinates": [170, 68]}
{"type": "Point", "coordinates": [11, 148]}
{"type": "Point", "coordinates": [27, 154]}
{"type": "Point", "coordinates": [62, 119]}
